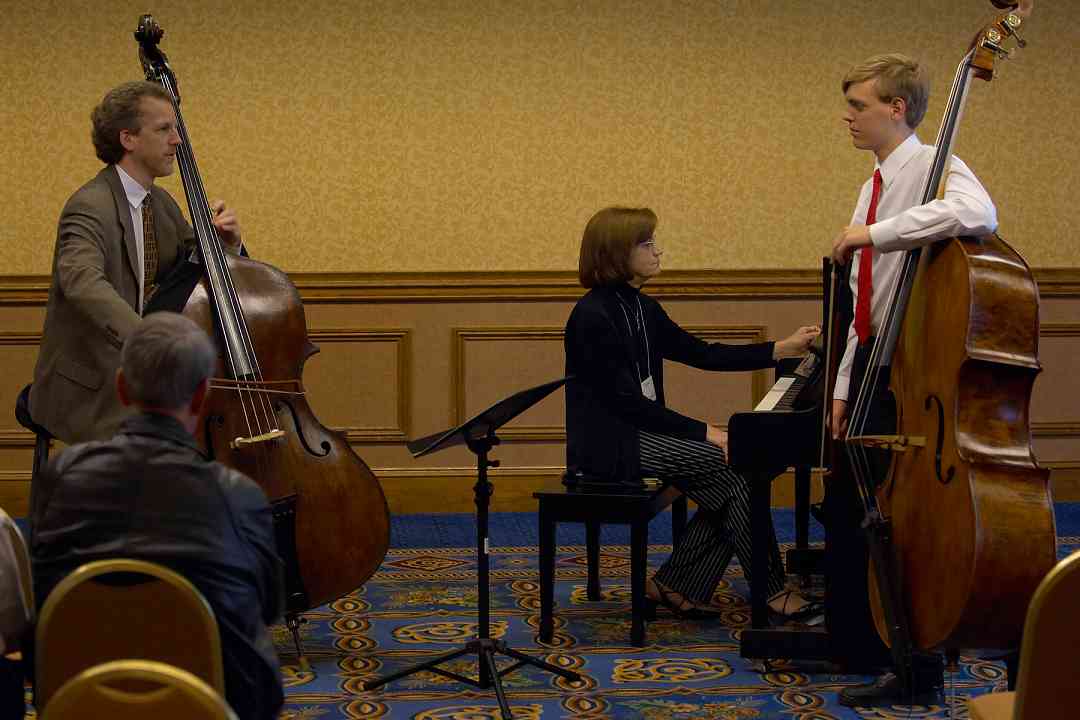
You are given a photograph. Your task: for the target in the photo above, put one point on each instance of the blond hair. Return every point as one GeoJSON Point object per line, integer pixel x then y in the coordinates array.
{"type": "Point", "coordinates": [898, 76]}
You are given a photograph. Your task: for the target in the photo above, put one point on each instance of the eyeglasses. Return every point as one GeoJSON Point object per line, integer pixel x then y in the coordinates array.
{"type": "Point", "coordinates": [650, 243]}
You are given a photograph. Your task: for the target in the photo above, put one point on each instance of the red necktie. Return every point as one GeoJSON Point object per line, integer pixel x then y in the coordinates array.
{"type": "Point", "coordinates": [866, 269]}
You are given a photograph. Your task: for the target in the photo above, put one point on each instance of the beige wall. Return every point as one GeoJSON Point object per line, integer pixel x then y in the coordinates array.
{"type": "Point", "coordinates": [430, 138]}
{"type": "Point", "coordinates": [435, 136]}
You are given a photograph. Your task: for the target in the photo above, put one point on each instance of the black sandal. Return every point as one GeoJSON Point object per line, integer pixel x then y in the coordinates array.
{"type": "Point", "coordinates": [687, 610]}
{"type": "Point", "coordinates": [809, 610]}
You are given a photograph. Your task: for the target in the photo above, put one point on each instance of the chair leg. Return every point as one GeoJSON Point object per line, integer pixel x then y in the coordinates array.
{"type": "Point", "coordinates": [41, 457]}
{"type": "Point", "coordinates": [41, 453]}
{"type": "Point", "coordinates": [592, 552]}
{"type": "Point", "coordinates": [639, 548]}
{"type": "Point", "coordinates": [547, 575]}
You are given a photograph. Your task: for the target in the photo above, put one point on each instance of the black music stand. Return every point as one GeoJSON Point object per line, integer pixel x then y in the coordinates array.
{"type": "Point", "coordinates": [479, 435]}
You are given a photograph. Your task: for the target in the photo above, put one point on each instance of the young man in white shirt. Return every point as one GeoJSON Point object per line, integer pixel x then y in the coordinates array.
{"type": "Point", "coordinates": [887, 97]}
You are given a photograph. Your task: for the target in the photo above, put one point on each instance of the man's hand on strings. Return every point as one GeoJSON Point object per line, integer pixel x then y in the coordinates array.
{"type": "Point", "coordinates": [227, 225]}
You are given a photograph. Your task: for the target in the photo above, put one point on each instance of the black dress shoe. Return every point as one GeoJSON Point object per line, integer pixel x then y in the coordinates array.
{"type": "Point", "coordinates": [887, 690]}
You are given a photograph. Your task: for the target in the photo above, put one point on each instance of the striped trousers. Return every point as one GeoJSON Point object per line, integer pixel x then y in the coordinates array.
{"type": "Point", "coordinates": [721, 526]}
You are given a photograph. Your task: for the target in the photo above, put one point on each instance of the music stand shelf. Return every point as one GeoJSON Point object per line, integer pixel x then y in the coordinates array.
{"type": "Point", "coordinates": [478, 434]}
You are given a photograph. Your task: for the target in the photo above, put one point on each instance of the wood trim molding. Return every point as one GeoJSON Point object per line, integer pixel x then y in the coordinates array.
{"type": "Point", "coordinates": [466, 472]}
{"type": "Point", "coordinates": [17, 339]}
{"type": "Point", "coordinates": [356, 435]}
{"type": "Point", "coordinates": [1060, 464]}
{"type": "Point", "coordinates": [520, 286]}
{"type": "Point", "coordinates": [1066, 429]}
{"type": "Point", "coordinates": [446, 489]}
{"type": "Point", "coordinates": [760, 379]}
{"type": "Point", "coordinates": [336, 288]}
{"type": "Point", "coordinates": [557, 433]}
{"type": "Point", "coordinates": [525, 286]}
{"type": "Point", "coordinates": [17, 439]}
{"type": "Point", "coordinates": [402, 337]}
{"type": "Point", "coordinates": [458, 401]}
{"type": "Point", "coordinates": [1059, 329]}
{"type": "Point", "coordinates": [1058, 282]}
{"type": "Point", "coordinates": [21, 290]}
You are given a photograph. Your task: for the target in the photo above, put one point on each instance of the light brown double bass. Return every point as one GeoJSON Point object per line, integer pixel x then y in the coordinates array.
{"type": "Point", "coordinates": [967, 507]}
{"type": "Point", "coordinates": [330, 515]}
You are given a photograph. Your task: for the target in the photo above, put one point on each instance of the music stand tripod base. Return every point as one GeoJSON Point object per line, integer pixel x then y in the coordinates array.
{"type": "Point", "coordinates": [479, 435]}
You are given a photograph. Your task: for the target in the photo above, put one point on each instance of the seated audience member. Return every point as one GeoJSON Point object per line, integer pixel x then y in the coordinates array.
{"type": "Point", "coordinates": [150, 494]}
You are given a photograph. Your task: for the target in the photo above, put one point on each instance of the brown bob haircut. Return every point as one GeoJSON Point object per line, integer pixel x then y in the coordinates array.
{"type": "Point", "coordinates": [609, 238]}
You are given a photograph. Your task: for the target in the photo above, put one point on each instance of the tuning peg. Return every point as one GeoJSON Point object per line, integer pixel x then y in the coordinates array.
{"type": "Point", "coordinates": [1012, 26]}
{"type": "Point", "coordinates": [991, 44]}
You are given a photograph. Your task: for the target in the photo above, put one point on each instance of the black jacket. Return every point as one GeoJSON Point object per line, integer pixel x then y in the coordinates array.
{"type": "Point", "coordinates": [149, 494]}
{"type": "Point", "coordinates": [605, 407]}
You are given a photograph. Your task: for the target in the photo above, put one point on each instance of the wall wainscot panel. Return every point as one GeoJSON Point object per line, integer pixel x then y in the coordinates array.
{"type": "Point", "coordinates": [408, 354]}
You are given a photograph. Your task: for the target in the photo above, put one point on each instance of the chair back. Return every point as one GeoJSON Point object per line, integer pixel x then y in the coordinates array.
{"type": "Point", "coordinates": [136, 690]}
{"type": "Point", "coordinates": [1049, 671]}
{"type": "Point", "coordinates": [16, 584]}
{"type": "Point", "coordinates": [121, 610]}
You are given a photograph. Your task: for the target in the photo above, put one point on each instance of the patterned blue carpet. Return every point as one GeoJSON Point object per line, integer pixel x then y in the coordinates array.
{"type": "Point", "coordinates": [423, 600]}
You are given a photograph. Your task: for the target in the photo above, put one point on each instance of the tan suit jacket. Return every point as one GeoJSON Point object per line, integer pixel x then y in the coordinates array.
{"type": "Point", "coordinates": [93, 302]}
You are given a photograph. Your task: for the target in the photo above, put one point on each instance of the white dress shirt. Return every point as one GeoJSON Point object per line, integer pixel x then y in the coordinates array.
{"type": "Point", "coordinates": [135, 193]}
{"type": "Point", "coordinates": [904, 224]}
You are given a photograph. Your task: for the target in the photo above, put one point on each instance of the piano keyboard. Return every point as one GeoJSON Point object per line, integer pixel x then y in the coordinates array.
{"type": "Point", "coordinates": [782, 395]}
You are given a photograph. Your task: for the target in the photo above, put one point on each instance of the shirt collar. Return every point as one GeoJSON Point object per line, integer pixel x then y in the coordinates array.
{"type": "Point", "coordinates": [898, 158]}
{"type": "Point", "coordinates": [134, 191]}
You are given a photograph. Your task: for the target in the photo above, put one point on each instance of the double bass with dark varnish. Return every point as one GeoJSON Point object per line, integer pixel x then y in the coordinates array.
{"type": "Point", "coordinates": [330, 515]}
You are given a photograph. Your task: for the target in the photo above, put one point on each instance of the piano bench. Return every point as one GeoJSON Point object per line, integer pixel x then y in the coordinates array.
{"type": "Point", "coordinates": [596, 506]}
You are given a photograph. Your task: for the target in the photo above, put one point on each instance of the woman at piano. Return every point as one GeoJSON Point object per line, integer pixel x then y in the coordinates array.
{"type": "Point", "coordinates": [619, 430]}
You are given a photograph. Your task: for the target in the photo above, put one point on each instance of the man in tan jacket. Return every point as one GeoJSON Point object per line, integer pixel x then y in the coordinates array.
{"type": "Point", "coordinates": [105, 268]}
